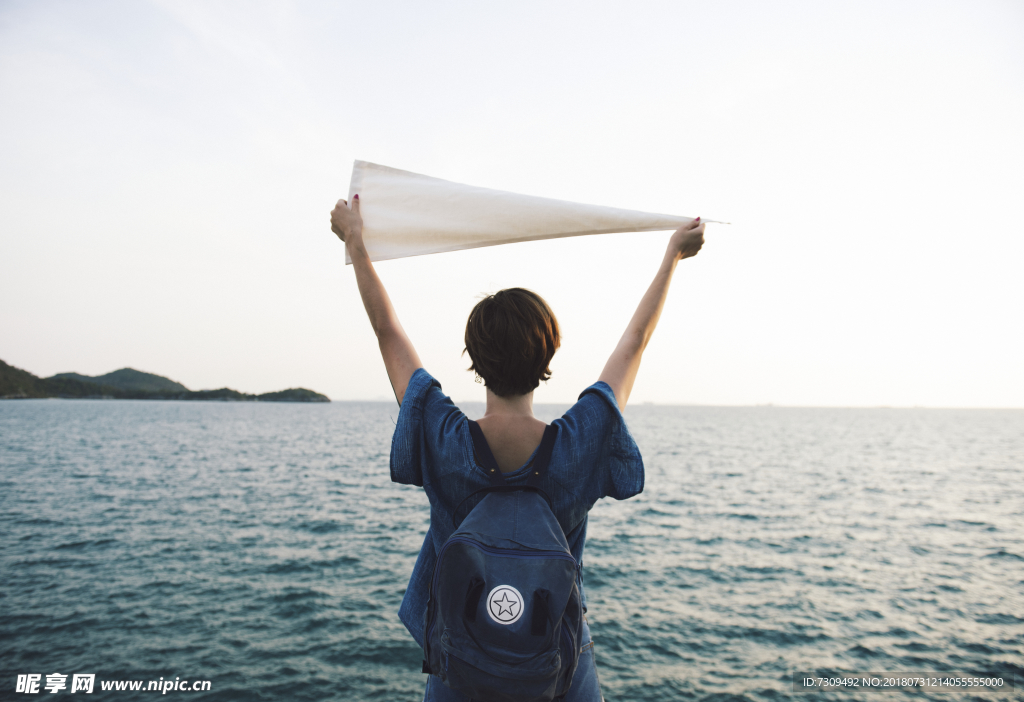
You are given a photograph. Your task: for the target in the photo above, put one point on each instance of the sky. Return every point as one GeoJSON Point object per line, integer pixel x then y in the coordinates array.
{"type": "Point", "coordinates": [167, 170]}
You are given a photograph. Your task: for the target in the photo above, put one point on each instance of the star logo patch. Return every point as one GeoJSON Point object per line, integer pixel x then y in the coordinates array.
{"type": "Point", "coordinates": [505, 604]}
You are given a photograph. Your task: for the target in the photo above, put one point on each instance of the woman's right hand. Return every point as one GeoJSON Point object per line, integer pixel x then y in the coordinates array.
{"type": "Point", "coordinates": [687, 240]}
{"type": "Point", "coordinates": [346, 221]}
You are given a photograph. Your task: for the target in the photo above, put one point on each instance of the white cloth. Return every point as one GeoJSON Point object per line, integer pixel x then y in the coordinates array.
{"type": "Point", "coordinates": [407, 214]}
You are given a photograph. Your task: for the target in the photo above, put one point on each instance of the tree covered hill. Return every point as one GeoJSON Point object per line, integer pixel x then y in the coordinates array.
{"type": "Point", "coordinates": [130, 384]}
{"type": "Point", "coordinates": [128, 379]}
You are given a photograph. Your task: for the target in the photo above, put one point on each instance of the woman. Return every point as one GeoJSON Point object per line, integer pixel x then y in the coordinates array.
{"type": "Point", "coordinates": [510, 337]}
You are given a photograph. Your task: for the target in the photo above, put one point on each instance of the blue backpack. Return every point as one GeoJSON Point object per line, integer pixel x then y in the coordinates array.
{"type": "Point", "coordinates": [504, 618]}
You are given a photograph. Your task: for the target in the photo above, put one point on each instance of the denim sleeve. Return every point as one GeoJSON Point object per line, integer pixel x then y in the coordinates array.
{"type": "Point", "coordinates": [425, 409]}
{"type": "Point", "coordinates": [604, 444]}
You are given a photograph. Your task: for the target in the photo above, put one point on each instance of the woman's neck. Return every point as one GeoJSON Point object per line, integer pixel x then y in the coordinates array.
{"type": "Point", "coordinates": [512, 406]}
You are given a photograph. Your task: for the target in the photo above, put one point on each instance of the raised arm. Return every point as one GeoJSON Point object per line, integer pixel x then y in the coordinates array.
{"type": "Point", "coordinates": [400, 358]}
{"type": "Point", "coordinates": [620, 370]}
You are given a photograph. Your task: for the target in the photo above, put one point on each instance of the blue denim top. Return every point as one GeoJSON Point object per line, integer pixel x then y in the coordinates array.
{"type": "Point", "coordinates": [594, 457]}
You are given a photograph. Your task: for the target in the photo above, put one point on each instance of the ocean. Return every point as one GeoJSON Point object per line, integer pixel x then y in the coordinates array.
{"type": "Point", "coordinates": [261, 547]}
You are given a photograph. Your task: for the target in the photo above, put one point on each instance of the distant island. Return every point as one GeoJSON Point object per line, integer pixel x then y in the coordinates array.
{"type": "Point", "coordinates": [129, 384]}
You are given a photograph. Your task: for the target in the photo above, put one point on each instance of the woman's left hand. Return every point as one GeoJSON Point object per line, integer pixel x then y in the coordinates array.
{"type": "Point", "coordinates": [687, 240]}
{"type": "Point", "coordinates": [346, 221]}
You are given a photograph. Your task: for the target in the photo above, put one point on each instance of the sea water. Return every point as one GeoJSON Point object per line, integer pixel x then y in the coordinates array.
{"type": "Point", "coordinates": [263, 548]}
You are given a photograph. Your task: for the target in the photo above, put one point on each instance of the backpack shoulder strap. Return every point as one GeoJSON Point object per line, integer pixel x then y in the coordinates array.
{"type": "Point", "coordinates": [539, 466]}
{"type": "Point", "coordinates": [484, 457]}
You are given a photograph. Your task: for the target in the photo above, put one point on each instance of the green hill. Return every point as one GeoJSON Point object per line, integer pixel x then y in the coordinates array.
{"type": "Point", "coordinates": [16, 384]}
{"type": "Point", "coordinates": [130, 384]}
{"type": "Point", "coordinates": [293, 395]}
{"type": "Point", "coordinates": [129, 379]}
{"type": "Point", "coordinates": [72, 387]}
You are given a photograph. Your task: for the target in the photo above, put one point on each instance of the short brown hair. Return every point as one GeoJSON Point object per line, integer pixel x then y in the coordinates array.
{"type": "Point", "coordinates": [511, 337]}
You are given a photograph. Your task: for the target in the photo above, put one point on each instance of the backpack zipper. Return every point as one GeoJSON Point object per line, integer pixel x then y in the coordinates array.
{"type": "Point", "coordinates": [508, 552]}
{"type": "Point", "coordinates": [573, 650]}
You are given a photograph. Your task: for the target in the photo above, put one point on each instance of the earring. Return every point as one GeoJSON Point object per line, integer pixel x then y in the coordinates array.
{"type": "Point", "coordinates": [478, 380]}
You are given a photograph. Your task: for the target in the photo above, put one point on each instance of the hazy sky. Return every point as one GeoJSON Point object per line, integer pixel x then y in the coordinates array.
{"type": "Point", "coordinates": [167, 169]}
